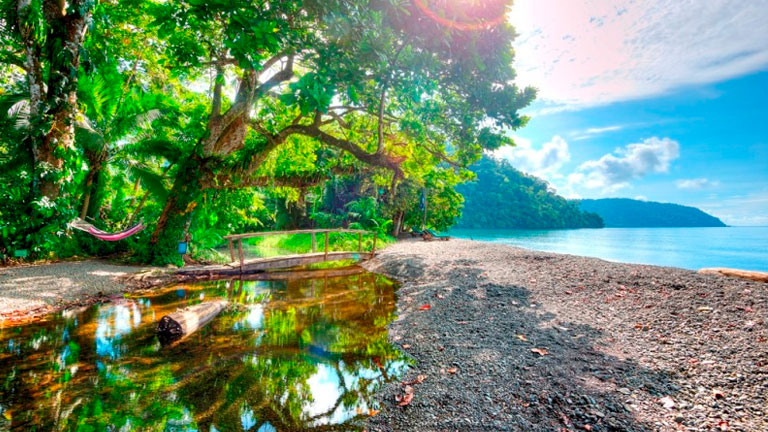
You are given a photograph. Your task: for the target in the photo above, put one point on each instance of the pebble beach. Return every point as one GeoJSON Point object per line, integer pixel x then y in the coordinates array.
{"type": "Point", "coordinates": [505, 338]}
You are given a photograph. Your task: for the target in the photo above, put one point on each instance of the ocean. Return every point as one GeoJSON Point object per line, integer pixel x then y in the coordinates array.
{"type": "Point", "coordinates": [691, 248]}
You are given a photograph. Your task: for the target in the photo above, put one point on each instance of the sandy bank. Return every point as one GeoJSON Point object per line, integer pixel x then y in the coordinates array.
{"type": "Point", "coordinates": [39, 289]}
{"type": "Point", "coordinates": [626, 347]}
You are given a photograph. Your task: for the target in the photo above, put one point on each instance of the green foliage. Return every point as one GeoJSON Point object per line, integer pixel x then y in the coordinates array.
{"type": "Point", "coordinates": [206, 117]}
{"type": "Point", "coordinates": [503, 197]}
{"type": "Point", "coordinates": [625, 212]}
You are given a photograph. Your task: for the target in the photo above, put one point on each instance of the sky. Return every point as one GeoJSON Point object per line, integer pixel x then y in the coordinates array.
{"type": "Point", "coordinates": [661, 100]}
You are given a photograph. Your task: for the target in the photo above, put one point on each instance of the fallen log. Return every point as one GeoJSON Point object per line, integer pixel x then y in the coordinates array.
{"type": "Point", "coordinates": [182, 323]}
{"type": "Point", "coordinates": [744, 274]}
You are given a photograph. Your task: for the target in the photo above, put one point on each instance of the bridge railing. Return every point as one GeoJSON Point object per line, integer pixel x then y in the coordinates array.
{"type": "Point", "coordinates": [232, 238]}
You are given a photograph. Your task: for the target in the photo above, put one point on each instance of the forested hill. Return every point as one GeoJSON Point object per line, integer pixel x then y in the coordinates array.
{"type": "Point", "coordinates": [503, 197]}
{"type": "Point", "coordinates": [629, 213]}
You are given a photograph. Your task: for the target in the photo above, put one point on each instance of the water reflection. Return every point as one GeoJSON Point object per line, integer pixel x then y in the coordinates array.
{"type": "Point", "coordinates": [289, 354]}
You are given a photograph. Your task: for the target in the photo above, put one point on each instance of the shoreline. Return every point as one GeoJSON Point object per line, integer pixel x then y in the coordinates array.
{"type": "Point", "coordinates": [691, 248]}
{"type": "Point", "coordinates": [32, 292]}
{"type": "Point", "coordinates": [518, 339]}
{"type": "Point", "coordinates": [617, 346]}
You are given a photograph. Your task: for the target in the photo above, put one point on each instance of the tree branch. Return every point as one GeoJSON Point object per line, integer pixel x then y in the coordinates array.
{"type": "Point", "coordinates": [379, 158]}
{"type": "Point", "coordinates": [227, 181]}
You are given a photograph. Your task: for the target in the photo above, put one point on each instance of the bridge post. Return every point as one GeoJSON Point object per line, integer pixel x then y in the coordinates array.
{"type": "Point", "coordinates": [326, 246]}
{"type": "Point", "coordinates": [373, 249]}
{"type": "Point", "coordinates": [231, 251]}
{"type": "Point", "coordinates": [240, 251]}
{"type": "Point", "coordinates": [314, 242]}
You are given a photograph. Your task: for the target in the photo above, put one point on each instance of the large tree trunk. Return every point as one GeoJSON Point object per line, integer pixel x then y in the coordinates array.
{"type": "Point", "coordinates": [52, 110]}
{"type": "Point", "coordinates": [91, 182]}
{"type": "Point", "coordinates": [181, 201]}
{"type": "Point", "coordinates": [398, 224]}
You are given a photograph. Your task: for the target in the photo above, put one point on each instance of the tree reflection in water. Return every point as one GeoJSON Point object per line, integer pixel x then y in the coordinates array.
{"type": "Point", "coordinates": [291, 354]}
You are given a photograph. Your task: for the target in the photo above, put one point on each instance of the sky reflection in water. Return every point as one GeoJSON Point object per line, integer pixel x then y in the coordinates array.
{"type": "Point", "coordinates": [288, 355]}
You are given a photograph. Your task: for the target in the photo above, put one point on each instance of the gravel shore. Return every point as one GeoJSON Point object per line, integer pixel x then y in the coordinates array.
{"type": "Point", "coordinates": [35, 290]}
{"type": "Point", "coordinates": [511, 339]}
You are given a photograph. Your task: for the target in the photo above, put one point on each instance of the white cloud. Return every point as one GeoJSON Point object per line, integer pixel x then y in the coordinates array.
{"type": "Point", "coordinates": [641, 198]}
{"type": "Point", "coordinates": [594, 131]}
{"type": "Point", "coordinates": [544, 162]}
{"type": "Point", "coordinates": [600, 51]}
{"type": "Point", "coordinates": [696, 183]}
{"type": "Point", "coordinates": [599, 130]}
{"type": "Point", "coordinates": [613, 171]}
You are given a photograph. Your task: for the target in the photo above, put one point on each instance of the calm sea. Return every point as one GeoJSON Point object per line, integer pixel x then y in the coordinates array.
{"type": "Point", "coordinates": [690, 248]}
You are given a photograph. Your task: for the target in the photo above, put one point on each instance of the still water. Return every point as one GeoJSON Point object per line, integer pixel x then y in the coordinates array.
{"type": "Point", "coordinates": [288, 354]}
{"type": "Point", "coordinates": [691, 248]}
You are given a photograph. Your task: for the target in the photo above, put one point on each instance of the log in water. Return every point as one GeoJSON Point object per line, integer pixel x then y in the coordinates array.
{"type": "Point", "coordinates": [182, 323]}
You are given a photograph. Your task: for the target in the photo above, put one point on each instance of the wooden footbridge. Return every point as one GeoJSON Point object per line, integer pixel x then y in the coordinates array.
{"type": "Point", "coordinates": [240, 265]}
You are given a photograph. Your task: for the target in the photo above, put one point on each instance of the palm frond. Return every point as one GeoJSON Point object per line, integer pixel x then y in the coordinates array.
{"type": "Point", "coordinates": [151, 181]}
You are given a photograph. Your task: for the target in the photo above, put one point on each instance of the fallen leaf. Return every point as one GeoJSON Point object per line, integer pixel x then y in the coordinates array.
{"type": "Point", "coordinates": [373, 412]}
{"type": "Point", "coordinates": [522, 338]}
{"type": "Point", "coordinates": [452, 370]}
{"type": "Point", "coordinates": [438, 295]}
{"type": "Point", "coordinates": [406, 346]}
{"type": "Point", "coordinates": [406, 398]}
{"type": "Point", "coordinates": [418, 380]}
{"type": "Point", "coordinates": [540, 351]}
{"type": "Point", "coordinates": [425, 307]}
{"type": "Point", "coordinates": [723, 425]}
{"type": "Point", "coordinates": [587, 427]}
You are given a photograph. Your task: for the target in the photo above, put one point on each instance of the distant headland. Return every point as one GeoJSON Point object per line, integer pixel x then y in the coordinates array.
{"type": "Point", "coordinates": [631, 213]}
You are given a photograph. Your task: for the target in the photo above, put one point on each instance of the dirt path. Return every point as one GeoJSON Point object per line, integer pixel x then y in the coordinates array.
{"type": "Point", "coordinates": [521, 340]}
{"type": "Point", "coordinates": [39, 289]}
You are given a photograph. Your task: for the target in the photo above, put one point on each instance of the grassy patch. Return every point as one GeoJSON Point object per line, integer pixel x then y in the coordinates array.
{"type": "Point", "coordinates": [290, 244]}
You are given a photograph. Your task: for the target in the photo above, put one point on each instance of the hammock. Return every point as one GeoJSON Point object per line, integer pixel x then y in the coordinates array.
{"type": "Point", "coordinates": [84, 226]}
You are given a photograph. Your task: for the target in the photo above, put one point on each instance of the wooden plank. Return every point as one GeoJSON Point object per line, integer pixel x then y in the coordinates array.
{"type": "Point", "coordinates": [314, 243]}
{"type": "Point", "coordinates": [231, 251]}
{"type": "Point", "coordinates": [326, 245]}
{"type": "Point", "coordinates": [743, 274]}
{"type": "Point", "coordinates": [359, 242]}
{"type": "Point", "coordinates": [240, 252]}
{"type": "Point", "coordinates": [306, 274]}
{"type": "Point", "coordinates": [303, 231]}
{"type": "Point", "coordinates": [262, 264]}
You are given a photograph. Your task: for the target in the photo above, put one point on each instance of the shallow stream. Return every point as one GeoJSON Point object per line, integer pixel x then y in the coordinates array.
{"type": "Point", "coordinates": [299, 351]}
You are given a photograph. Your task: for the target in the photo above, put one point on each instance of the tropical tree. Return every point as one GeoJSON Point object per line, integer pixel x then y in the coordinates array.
{"type": "Point", "coordinates": [271, 100]}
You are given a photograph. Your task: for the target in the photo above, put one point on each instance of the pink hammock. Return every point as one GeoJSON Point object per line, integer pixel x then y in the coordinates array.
{"type": "Point", "coordinates": [84, 226]}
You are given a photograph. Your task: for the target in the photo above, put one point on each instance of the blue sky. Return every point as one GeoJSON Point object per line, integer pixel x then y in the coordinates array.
{"type": "Point", "coordinates": [660, 100]}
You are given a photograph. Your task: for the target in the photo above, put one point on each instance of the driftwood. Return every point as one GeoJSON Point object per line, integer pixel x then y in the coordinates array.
{"type": "Point", "coordinates": [744, 274]}
{"type": "Point", "coordinates": [182, 323]}
{"type": "Point", "coordinates": [429, 237]}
